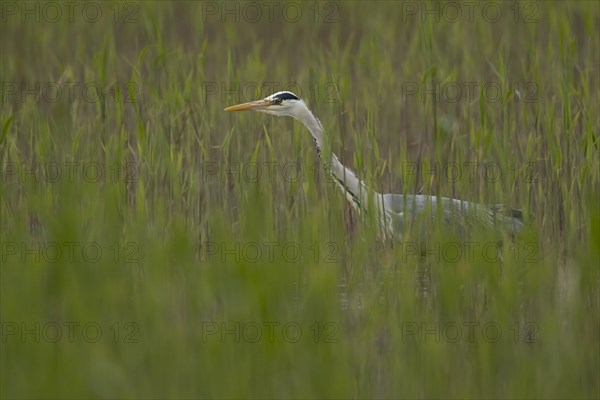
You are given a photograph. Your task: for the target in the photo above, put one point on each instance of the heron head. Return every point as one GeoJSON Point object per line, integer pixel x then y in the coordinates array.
{"type": "Point", "coordinates": [280, 103]}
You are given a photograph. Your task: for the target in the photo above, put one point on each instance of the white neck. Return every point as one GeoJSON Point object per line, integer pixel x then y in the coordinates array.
{"type": "Point", "coordinates": [346, 179]}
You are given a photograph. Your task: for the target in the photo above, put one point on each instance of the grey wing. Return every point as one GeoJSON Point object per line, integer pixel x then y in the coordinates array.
{"type": "Point", "coordinates": [458, 215]}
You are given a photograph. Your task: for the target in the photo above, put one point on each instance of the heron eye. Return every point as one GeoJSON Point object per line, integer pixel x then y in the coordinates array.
{"type": "Point", "coordinates": [277, 101]}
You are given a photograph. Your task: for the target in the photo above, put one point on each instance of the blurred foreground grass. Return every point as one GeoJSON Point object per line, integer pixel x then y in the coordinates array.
{"type": "Point", "coordinates": [153, 245]}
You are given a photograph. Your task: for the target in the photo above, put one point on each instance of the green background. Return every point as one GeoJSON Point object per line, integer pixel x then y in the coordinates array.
{"type": "Point", "coordinates": [153, 245]}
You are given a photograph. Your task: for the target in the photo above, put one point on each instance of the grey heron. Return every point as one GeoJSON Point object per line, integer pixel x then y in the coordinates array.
{"type": "Point", "coordinates": [394, 212]}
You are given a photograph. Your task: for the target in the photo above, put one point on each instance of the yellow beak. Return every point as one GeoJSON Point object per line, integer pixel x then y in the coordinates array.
{"type": "Point", "coordinates": [252, 105]}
